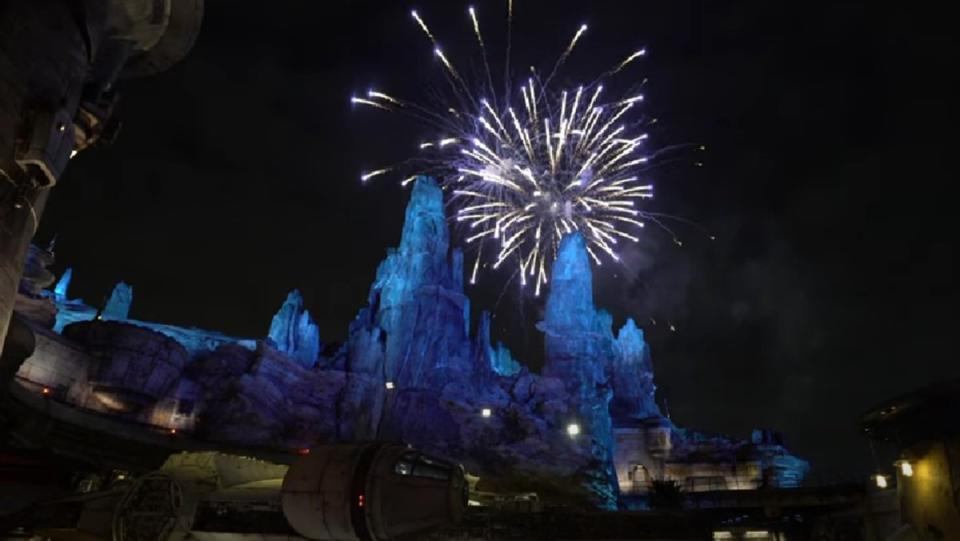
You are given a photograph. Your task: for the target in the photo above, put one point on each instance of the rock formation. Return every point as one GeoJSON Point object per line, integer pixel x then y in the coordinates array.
{"type": "Point", "coordinates": [294, 331]}
{"type": "Point", "coordinates": [417, 300]}
{"type": "Point", "coordinates": [580, 350]}
{"type": "Point", "coordinates": [632, 376]}
{"type": "Point", "coordinates": [63, 285]}
{"type": "Point", "coordinates": [503, 363]}
{"type": "Point", "coordinates": [412, 371]}
{"type": "Point", "coordinates": [263, 397]}
{"type": "Point", "coordinates": [118, 306]}
{"type": "Point", "coordinates": [417, 324]}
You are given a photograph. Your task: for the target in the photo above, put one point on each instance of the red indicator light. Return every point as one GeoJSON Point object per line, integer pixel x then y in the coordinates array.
{"type": "Point", "coordinates": [303, 451]}
{"type": "Point", "coordinates": [360, 500]}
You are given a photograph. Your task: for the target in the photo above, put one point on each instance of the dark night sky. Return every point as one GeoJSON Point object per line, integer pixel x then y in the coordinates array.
{"type": "Point", "coordinates": [828, 134]}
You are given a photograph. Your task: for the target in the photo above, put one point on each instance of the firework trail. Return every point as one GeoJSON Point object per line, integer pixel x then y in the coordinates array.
{"type": "Point", "coordinates": [522, 173]}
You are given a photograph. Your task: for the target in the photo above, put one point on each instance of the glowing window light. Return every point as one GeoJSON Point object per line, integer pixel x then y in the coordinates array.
{"type": "Point", "coordinates": [756, 534]}
{"type": "Point", "coordinates": [722, 535]}
{"type": "Point", "coordinates": [906, 468]}
{"type": "Point", "coordinates": [388, 385]}
{"type": "Point", "coordinates": [881, 481]}
{"type": "Point", "coordinates": [573, 429]}
{"type": "Point", "coordinates": [486, 412]}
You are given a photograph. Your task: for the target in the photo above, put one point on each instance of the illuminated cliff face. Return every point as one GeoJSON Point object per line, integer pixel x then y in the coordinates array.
{"type": "Point", "coordinates": [294, 332]}
{"type": "Point", "coordinates": [414, 369]}
{"type": "Point", "coordinates": [442, 379]}
{"type": "Point", "coordinates": [417, 299]}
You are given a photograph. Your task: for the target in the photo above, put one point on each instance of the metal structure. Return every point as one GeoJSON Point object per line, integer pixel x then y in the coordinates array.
{"type": "Point", "coordinates": [371, 491]}
{"type": "Point", "coordinates": [393, 491]}
{"type": "Point", "coordinates": [59, 62]}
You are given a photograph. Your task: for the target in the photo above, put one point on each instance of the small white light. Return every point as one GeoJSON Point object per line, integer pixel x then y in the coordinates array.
{"type": "Point", "coordinates": [72, 154]}
{"type": "Point", "coordinates": [486, 412]}
{"type": "Point", "coordinates": [881, 481]}
{"type": "Point", "coordinates": [388, 385]}
{"type": "Point", "coordinates": [906, 468]}
{"type": "Point", "coordinates": [573, 429]}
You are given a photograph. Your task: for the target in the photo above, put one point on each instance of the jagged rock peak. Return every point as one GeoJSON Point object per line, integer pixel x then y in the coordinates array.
{"type": "Point", "coordinates": [425, 225]}
{"type": "Point", "coordinates": [632, 376]}
{"type": "Point", "coordinates": [421, 260]}
{"type": "Point", "coordinates": [483, 331]}
{"type": "Point", "coordinates": [118, 307]}
{"type": "Point", "coordinates": [63, 284]}
{"type": "Point", "coordinates": [503, 362]}
{"type": "Point", "coordinates": [570, 300]}
{"type": "Point", "coordinates": [294, 332]}
{"type": "Point", "coordinates": [630, 339]}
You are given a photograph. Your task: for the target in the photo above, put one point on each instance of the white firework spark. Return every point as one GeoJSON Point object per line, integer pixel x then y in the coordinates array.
{"type": "Point", "coordinates": [522, 173]}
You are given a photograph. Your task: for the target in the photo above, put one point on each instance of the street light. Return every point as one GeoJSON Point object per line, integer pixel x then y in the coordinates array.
{"type": "Point", "coordinates": [881, 480]}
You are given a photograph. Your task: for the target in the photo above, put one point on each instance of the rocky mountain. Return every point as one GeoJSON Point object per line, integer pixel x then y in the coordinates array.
{"type": "Point", "coordinates": [415, 369]}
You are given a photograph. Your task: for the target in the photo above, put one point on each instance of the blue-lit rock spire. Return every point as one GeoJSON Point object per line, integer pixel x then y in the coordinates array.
{"type": "Point", "coordinates": [580, 349]}
{"type": "Point", "coordinates": [417, 299]}
{"type": "Point", "coordinates": [60, 290]}
{"type": "Point", "coordinates": [632, 376]}
{"type": "Point", "coordinates": [294, 331]}
{"type": "Point", "coordinates": [489, 360]}
{"type": "Point", "coordinates": [578, 338]}
{"type": "Point", "coordinates": [503, 362]}
{"type": "Point", "coordinates": [118, 306]}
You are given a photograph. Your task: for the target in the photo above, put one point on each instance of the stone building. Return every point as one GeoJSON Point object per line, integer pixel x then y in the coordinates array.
{"type": "Point", "coordinates": [655, 449]}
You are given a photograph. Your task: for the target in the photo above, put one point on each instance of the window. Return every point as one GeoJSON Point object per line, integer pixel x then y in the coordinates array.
{"type": "Point", "coordinates": [638, 474]}
{"type": "Point", "coordinates": [421, 466]}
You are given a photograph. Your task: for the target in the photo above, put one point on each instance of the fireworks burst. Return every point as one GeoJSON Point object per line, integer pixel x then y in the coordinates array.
{"type": "Point", "coordinates": [521, 173]}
